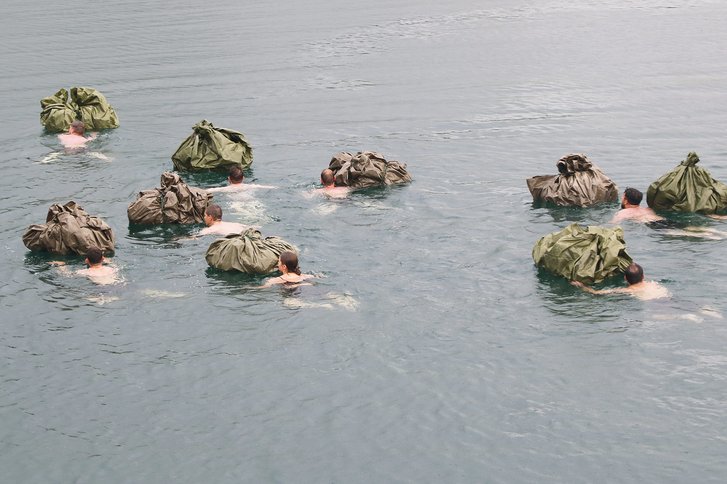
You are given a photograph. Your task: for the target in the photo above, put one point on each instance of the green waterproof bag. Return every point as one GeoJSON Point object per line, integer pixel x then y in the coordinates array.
{"type": "Point", "coordinates": [585, 254]}
{"type": "Point", "coordinates": [69, 229]}
{"type": "Point", "coordinates": [367, 169]}
{"type": "Point", "coordinates": [211, 148]}
{"type": "Point", "coordinates": [688, 188]}
{"type": "Point", "coordinates": [247, 252]}
{"type": "Point", "coordinates": [579, 183]}
{"type": "Point", "coordinates": [174, 202]}
{"type": "Point", "coordinates": [93, 109]}
{"type": "Point", "coordinates": [57, 115]}
{"type": "Point", "coordinates": [85, 103]}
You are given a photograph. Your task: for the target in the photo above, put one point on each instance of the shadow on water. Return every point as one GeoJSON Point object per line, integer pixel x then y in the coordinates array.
{"type": "Point", "coordinates": [690, 219]}
{"type": "Point", "coordinates": [595, 215]}
{"type": "Point", "coordinates": [207, 178]}
{"type": "Point", "coordinates": [560, 212]}
{"type": "Point", "coordinates": [234, 281]}
{"type": "Point", "coordinates": [38, 260]}
{"type": "Point", "coordinates": [379, 192]}
{"type": "Point", "coordinates": [563, 299]}
{"type": "Point", "coordinates": [167, 233]}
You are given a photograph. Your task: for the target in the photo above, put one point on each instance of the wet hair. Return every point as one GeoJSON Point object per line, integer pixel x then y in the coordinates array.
{"type": "Point", "coordinates": [634, 273]}
{"type": "Point", "coordinates": [214, 211]}
{"type": "Point", "coordinates": [94, 255]}
{"type": "Point", "coordinates": [327, 176]}
{"type": "Point", "coordinates": [633, 196]}
{"type": "Point", "coordinates": [290, 261]}
{"type": "Point", "coordinates": [78, 127]}
{"type": "Point", "coordinates": [236, 175]}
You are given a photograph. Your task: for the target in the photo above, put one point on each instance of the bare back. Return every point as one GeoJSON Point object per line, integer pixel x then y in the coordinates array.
{"type": "Point", "coordinates": [223, 228]}
{"type": "Point", "coordinates": [648, 290]}
{"type": "Point", "coordinates": [637, 214]}
{"type": "Point", "coordinates": [102, 275]}
{"type": "Point", "coordinates": [72, 140]}
{"type": "Point", "coordinates": [334, 192]}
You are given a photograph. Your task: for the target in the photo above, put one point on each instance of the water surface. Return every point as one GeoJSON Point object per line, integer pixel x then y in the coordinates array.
{"type": "Point", "coordinates": [430, 349]}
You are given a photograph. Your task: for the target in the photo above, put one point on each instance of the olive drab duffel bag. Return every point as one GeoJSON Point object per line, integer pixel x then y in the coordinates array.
{"type": "Point", "coordinates": [174, 202]}
{"type": "Point", "coordinates": [247, 252]}
{"type": "Point", "coordinates": [87, 104]}
{"type": "Point", "coordinates": [688, 188]}
{"type": "Point", "coordinates": [585, 254]}
{"type": "Point", "coordinates": [579, 183]}
{"type": "Point", "coordinates": [93, 109]}
{"type": "Point", "coordinates": [212, 148]}
{"type": "Point", "coordinates": [367, 169]}
{"type": "Point", "coordinates": [56, 114]}
{"type": "Point", "coordinates": [69, 229]}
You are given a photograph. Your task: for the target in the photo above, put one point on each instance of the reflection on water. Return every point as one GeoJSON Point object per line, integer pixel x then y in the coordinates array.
{"type": "Point", "coordinates": [330, 300]}
{"type": "Point", "coordinates": [169, 235]}
{"type": "Point", "coordinates": [162, 294]}
{"type": "Point", "coordinates": [431, 334]}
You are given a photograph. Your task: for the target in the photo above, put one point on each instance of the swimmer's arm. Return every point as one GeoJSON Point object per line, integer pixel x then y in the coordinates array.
{"type": "Point", "coordinates": [616, 219]}
{"type": "Point", "coordinates": [92, 136]}
{"type": "Point", "coordinates": [717, 217]}
{"type": "Point", "coordinates": [312, 193]}
{"type": "Point", "coordinates": [272, 281]}
{"type": "Point", "coordinates": [194, 236]}
{"type": "Point", "coordinates": [62, 268]}
{"type": "Point", "coordinates": [260, 186]}
{"type": "Point", "coordinates": [590, 290]}
{"type": "Point", "coordinates": [191, 237]}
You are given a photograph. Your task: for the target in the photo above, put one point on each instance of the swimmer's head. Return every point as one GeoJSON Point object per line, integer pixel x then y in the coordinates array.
{"type": "Point", "coordinates": [94, 256]}
{"type": "Point", "coordinates": [236, 175]}
{"type": "Point", "coordinates": [214, 212]}
{"type": "Point", "coordinates": [633, 196]}
{"type": "Point", "coordinates": [77, 127]}
{"type": "Point", "coordinates": [634, 274]}
{"type": "Point", "coordinates": [327, 177]}
{"type": "Point", "coordinates": [289, 261]}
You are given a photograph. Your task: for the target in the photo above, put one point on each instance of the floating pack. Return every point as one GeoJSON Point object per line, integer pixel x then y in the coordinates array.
{"type": "Point", "coordinates": [247, 252]}
{"type": "Point", "coordinates": [586, 254]}
{"type": "Point", "coordinates": [210, 148]}
{"type": "Point", "coordinates": [173, 203]}
{"type": "Point", "coordinates": [69, 229]}
{"type": "Point", "coordinates": [57, 115]}
{"type": "Point", "coordinates": [93, 109]}
{"type": "Point", "coordinates": [86, 104]}
{"type": "Point", "coordinates": [579, 183]}
{"type": "Point", "coordinates": [688, 188]}
{"type": "Point", "coordinates": [367, 169]}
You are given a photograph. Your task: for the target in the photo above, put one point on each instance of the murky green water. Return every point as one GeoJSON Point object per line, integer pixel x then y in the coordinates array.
{"type": "Point", "coordinates": [430, 349]}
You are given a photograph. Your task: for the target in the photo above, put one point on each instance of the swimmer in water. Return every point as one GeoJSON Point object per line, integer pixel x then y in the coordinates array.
{"type": "Point", "coordinates": [234, 182]}
{"type": "Point", "coordinates": [75, 137]}
{"type": "Point", "coordinates": [631, 209]}
{"type": "Point", "coordinates": [96, 272]}
{"type": "Point", "coordinates": [637, 286]}
{"type": "Point", "coordinates": [329, 186]}
{"type": "Point", "coordinates": [291, 275]}
{"type": "Point", "coordinates": [215, 225]}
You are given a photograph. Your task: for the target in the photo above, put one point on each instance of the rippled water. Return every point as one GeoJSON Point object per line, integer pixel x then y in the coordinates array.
{"type": "Point", "coordinates": [430, 348]}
